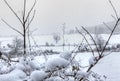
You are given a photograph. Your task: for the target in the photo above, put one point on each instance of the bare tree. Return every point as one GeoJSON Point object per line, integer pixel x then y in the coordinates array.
{"type": "Point", "coordinates": [25, 20]}
{"type": "Point", "coordinates": [56, 37]}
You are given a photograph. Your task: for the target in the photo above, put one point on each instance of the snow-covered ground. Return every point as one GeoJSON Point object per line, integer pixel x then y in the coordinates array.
{"type": "Point", "coordinates": [70, 40]}
{"type": "Point", "coordinates": [108, 66]}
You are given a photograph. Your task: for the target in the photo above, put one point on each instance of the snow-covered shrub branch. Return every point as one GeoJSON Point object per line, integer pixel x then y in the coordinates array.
{"type": "Point", "coordinates": [95, 59]}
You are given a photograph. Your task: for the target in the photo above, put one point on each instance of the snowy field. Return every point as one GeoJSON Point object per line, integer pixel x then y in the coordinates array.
{"type": "Point", "coordinates": [107, 66]}
{"type": "Point", "coordinates": [69, 39]}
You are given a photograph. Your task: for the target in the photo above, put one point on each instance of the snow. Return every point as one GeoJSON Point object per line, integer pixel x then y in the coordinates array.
{"type": "Point", "coordinates": [102, 68]}
{"type": "Point", "coordinates": [55, 79]}
{"type": "Point", "coordinates": [20, 66]}
{"type": "Point", "coordinates": [92, 60]}
{"type": "Point", "coordinates": [56, 63]}
{"type": "Point", "coordinates": [38, 76]}
{"type": "Point", "coordinates": [4, 70]}
{"type": "Point", "coordinates": [70, 39]}
{"type": "Point", "coordinates": [109, 66]}
{"type": "Point", "coordinates": [15, 75]}
{"type": "Point", "coordinates": [34, 65]}
{"type": "Point", "coordinates": [66, 55]}
{"type": "Point", "coordinates": [81, 74]}
{"type": "Point", "coordinates": [4, 57]}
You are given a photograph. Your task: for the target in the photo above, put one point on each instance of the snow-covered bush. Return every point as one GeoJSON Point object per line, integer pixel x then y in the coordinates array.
{"type": "Point", "coordinates": [38, 76]}
{"type": "Point", "coordinates": [92, 60]}
{"type": "Point", "coordinates": [56, 63]}
{"type": "Point", "coordinates": [57, 78]}
{"type": "Point", "coordinates": [15, 75]}
{"type": "Point", "coordinates": [56, 37]}
{"type": "Point", "coordinates": [63, 67]}
{"type": "Point", "coordinates": [16, 47]}
{"type": "Point", "coordinates": [66, 55]}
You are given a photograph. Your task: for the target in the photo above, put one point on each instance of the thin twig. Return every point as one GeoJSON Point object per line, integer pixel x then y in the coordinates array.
{"type": "Point", "coordinates": [116, 24]}
{"type": "Point", "coordinates": [92, 39]}
{"type": "Point", "coordinates": [24, 11]}
{"type": "Point", "coordinates": [29, 41]}
{"type": "Point", "coordinates": [86, 41]}
{"type": "Point", "coordinates": [74, 51]}
{"type": "Point", "coordinates": [101, 56]}
{"type": "Point", "coordinates": [114, 9]}
{"type": "Point", "coordinates": [108, 53]}
{"type": "Point", "coordinates": [30, 11]}
{"type": "Point", "coordinates": [31, 20]}
{"type": "Point", "coordinates": [107, 26]}
{"type": "Point", "coordinates": [13, 11]}
{"type": "Point", "coordinates": [11, 27]}
{"type": "Point", "coordinates": [114, 17]}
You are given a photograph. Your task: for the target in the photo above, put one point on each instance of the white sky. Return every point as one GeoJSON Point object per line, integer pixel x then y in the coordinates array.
{"type": "Point", "coordinates": [51, 14]}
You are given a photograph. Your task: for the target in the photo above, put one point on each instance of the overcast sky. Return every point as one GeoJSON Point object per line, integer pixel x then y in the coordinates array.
{"type": "Point", "coordinates": [51, 14]}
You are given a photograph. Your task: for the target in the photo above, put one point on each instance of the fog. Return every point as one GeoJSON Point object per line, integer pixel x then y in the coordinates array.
{"type": "Point", "coordinates": [51, 14]}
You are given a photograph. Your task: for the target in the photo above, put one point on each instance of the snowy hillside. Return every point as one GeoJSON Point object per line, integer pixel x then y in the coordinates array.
{"type": "Point", "coordinates": [109, 66]}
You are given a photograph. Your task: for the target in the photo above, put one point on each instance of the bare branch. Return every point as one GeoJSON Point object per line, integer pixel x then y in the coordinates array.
{"type": "Point", "coordinates": [75, 49]}
{"type": "Point", "coordinates": [101, 56]}
{"type": "Point", "coordinates": [29, 41]}
{"type": "Point", "coordinates": [107, 26]}
{"type": "Point", "coordinates": [112, 31]}
{"type": "Point", "coordinates": [31, 20]}
{"type": "Point", "coordinates": [32, 17]}
{"type": "Point", "coordinates": [11, 27]}
{"type": "Point", "coordinates": [92, 39]}
{"type": "Point", "coordinates": [24, 10]}
{"type": "Point", "coordinates": [30, 11]}
{"type": "Point", "coordinates": [108, 53]}
{"type": "Point", "coordinates": [116, 24]}
{"type": "Point", "coordinates": [13, 11]}
{"type": "Point", "coordinates": [114, 17]}
{"type": "Point", "coordinates": [114, 9]}
{"type": "Point", "coordinates": [86, 40]}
